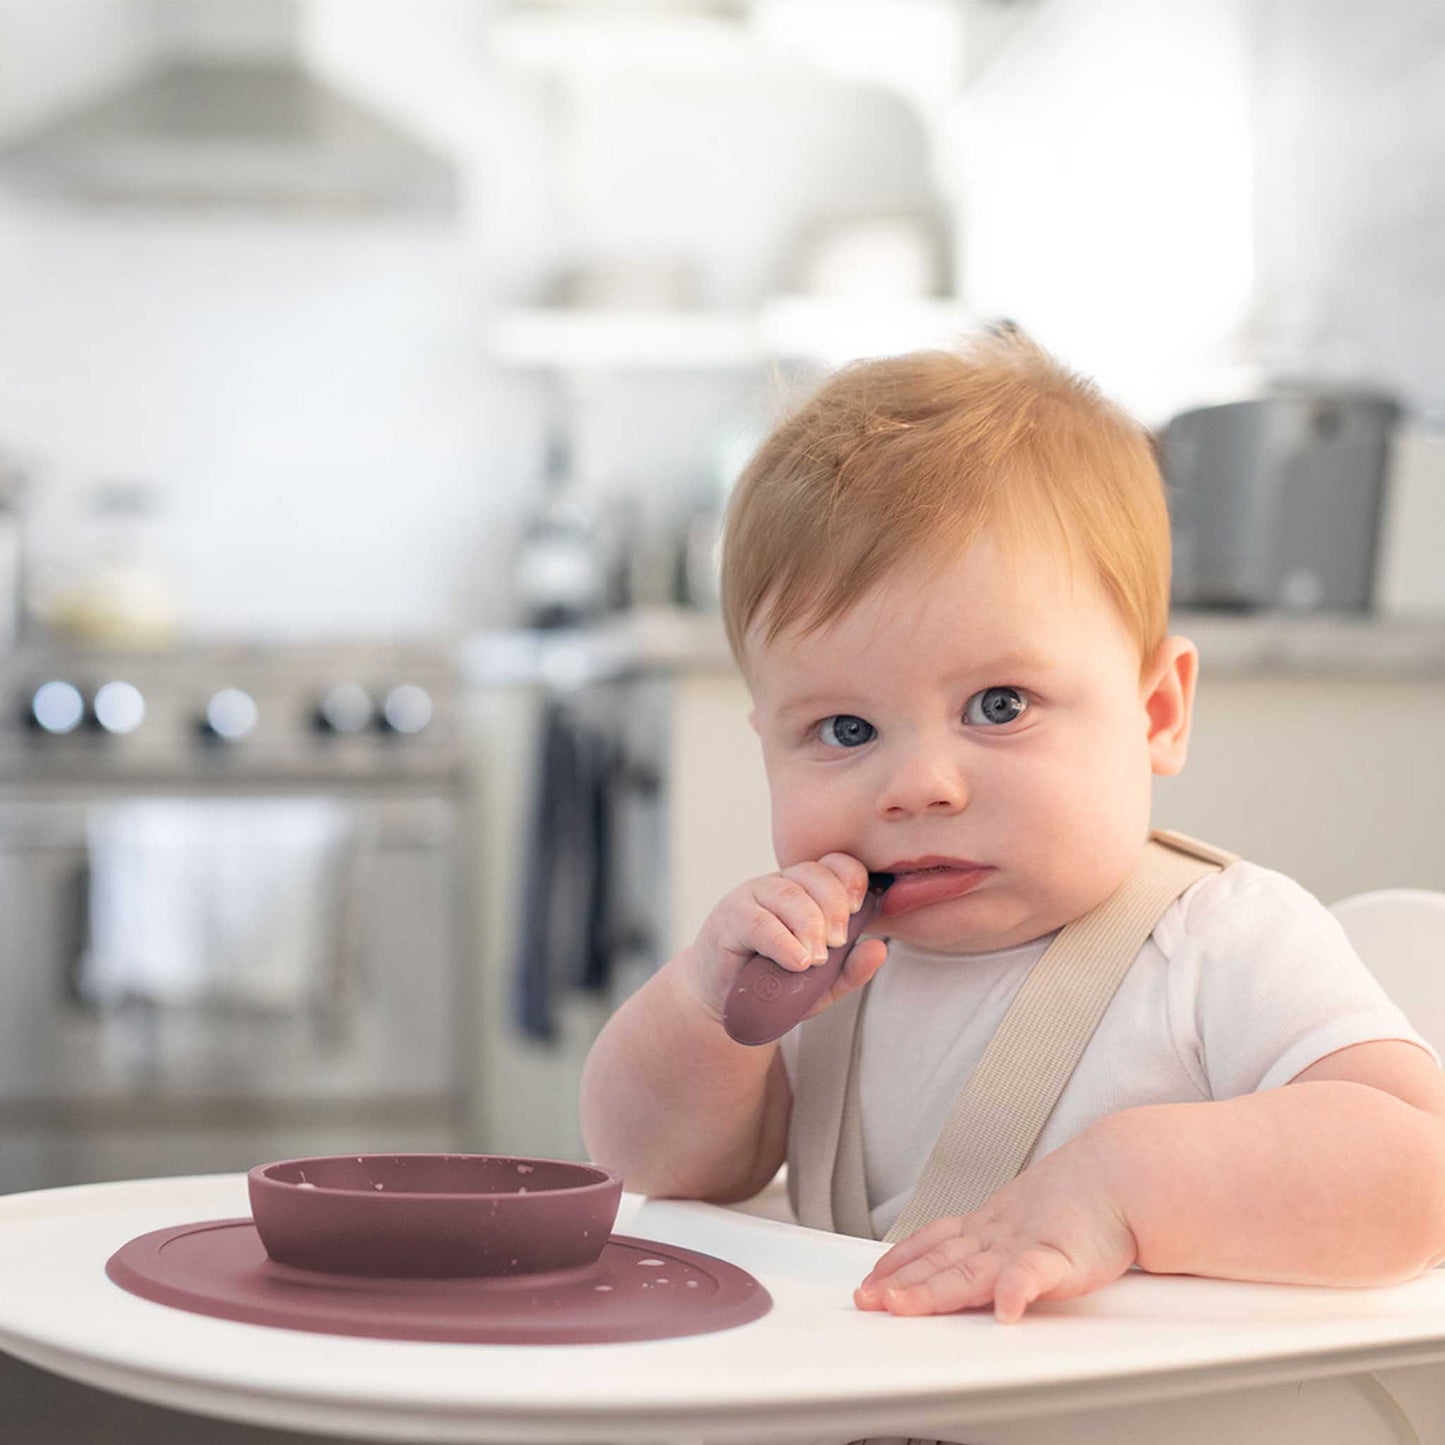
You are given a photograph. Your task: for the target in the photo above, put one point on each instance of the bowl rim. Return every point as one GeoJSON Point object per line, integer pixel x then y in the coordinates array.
{"type": "Point", "coordinates": [607, 1179]}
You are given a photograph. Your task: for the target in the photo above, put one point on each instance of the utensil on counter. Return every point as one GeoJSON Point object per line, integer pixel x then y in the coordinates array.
{"type": "Point", "coordinates": [767, 1000]}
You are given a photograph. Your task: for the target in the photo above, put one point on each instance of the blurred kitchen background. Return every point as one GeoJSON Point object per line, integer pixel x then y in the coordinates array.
{"type": "Point", "coordinates": [373, 374]}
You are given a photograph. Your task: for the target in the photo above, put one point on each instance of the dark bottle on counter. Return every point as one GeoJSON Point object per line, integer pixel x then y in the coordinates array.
{"type": "Point", "coordinates": [561, 574]}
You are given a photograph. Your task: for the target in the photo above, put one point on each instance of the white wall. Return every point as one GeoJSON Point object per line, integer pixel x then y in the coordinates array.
{"type": "Point", "coordinates": [309, 399]}
{"type": "Point", "coordinates": [1352, 185]}
{"type": "Point", "coordinates": [1185, 195]}
{"type": "Point", "coordinates": [315, 399]}
{"type": "Point", "coordinates": [1106, 163]}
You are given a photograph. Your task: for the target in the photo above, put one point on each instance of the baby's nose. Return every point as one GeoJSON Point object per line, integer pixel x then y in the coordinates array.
{"type": "Point", "coordinates": [924, 782]}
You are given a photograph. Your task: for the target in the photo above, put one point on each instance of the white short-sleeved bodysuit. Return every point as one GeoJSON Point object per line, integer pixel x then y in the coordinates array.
{"type": "Point", "coordinates": [1246, 981]}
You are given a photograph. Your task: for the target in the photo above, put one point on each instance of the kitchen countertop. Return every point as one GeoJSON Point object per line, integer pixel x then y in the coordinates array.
{"type": "Point", "coordinates": [676, 640]}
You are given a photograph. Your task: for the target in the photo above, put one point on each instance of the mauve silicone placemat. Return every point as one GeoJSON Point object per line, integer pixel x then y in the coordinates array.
{"type": "Point", "coordinates": [637, 1290]}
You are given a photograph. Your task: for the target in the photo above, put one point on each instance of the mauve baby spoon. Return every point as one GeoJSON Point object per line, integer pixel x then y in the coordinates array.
{"type": "Point", "coordinates": [768, 999]}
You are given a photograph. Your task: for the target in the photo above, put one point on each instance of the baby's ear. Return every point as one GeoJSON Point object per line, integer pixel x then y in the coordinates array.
{"type": "Point", "coordinates": [1168, 696]}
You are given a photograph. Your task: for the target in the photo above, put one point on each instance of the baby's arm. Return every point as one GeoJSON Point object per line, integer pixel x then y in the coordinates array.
{"type": "Point", "coordinates": [679, 1108]}
{"type": "Point", "coordinates": [667, 1097]}
{"type": "Point", "coordinates": [1338, 1178]}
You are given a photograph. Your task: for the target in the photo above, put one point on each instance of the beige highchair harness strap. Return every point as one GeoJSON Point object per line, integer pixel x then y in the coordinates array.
{"type": "Point", "coordinates": [996, 1120]}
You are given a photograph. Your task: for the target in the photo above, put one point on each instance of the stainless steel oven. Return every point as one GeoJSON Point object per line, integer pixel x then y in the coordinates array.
{"type": "Point", "coordinates": [231, 920]}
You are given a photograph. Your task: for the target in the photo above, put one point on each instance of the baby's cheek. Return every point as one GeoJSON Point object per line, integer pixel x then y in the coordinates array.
{"type": "Point", "coordinates": [794, 824]}
{"type": "Point", "coordinates": [1071, 828]}
{"type": "Point", "coordinates": [804, 823]}
{"type": "Point", "coordinates": [1093, 854]}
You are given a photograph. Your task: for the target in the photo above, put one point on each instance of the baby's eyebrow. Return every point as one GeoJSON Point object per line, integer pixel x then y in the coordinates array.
{"type": "Point", "coordinates": [809, 703]}
{"type": "Point", "coordinates": [1002, 669]}
{"type": "Point", "coordinates": [1013, 662]}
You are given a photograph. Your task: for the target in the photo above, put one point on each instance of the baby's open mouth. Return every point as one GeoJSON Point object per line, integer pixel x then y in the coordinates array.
{"type": "Point", "coordinates": [921, 885]}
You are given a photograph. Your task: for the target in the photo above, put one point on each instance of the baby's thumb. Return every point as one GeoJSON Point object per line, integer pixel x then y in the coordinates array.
{"type": "Point", "coordinates": [866, 959]}
{"type": "Point", "coordinates": [862, 963]}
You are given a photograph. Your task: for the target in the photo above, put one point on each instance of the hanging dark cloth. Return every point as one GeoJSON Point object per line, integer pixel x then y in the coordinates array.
{"type": "Point", "coordinates": [564, 937]}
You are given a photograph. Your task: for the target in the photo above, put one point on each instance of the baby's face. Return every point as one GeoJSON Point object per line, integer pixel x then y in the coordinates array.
{"type": "Point", "coordinates": [980, 717]}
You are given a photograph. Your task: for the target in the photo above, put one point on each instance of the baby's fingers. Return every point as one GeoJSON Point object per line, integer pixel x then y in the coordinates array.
{"type": "Point", "coordinates": [913, 1259]}
{"type": "Point", "coordinates": [784, 922]}
{"type": "Point", "coordinates": [918, 1244]}
{"type": "Point", "coordinates": [959, 1276]}
{"type": "Point", "coordinates": [851, 873]}
{"type": "Point", "coordinates": [956, 1276]}
{"type": "Point", "coordinates": [812, 902]}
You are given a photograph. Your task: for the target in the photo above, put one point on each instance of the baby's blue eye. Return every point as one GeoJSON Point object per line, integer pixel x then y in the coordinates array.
{"type": "Point", "coordinates": [994, 705]}
{"type": "Point", "coordinates": [843, 730]}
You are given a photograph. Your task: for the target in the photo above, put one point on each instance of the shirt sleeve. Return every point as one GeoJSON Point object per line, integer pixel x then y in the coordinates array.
{"type": "Point", "coordinates": [1277, 985]}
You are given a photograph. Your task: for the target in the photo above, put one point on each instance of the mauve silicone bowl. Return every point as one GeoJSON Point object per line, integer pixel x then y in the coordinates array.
{"type": "Point", "coordinates": [432, 1216]}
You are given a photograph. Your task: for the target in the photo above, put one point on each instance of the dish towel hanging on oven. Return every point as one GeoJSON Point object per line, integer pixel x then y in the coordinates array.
{"type": "Point", "coordinates": [218, 901]}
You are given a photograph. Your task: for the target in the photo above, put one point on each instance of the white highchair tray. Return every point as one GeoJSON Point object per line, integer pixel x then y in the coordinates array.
{"type": "Point", "coordinates": [814, 1366]}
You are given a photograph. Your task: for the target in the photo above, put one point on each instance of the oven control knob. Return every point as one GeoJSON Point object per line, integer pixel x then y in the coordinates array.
{"type": "Point", "coordinates": [406, 709]}
{"type": "Point", "coordinates": [230, 715]}
{"type": "Point", "coordinates": [118, 708]}
{"type": "Point", "coordinates": [345, 708]}
{"type": "Point", "coordinates": [57, 708]}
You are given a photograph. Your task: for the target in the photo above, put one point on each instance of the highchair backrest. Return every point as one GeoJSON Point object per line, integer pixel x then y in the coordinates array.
{"type": "Point", "coordinates": [1399, 933]}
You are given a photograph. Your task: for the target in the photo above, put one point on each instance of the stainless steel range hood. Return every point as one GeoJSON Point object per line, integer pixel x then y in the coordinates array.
{"type": "Point", "coordinates": [253, 126]}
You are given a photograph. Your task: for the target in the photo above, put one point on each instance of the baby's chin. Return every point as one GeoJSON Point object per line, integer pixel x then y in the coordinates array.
{"type": "Point", "coordinates": [965, 925]}
{"type": "Point", "coordinates": [938, 929]}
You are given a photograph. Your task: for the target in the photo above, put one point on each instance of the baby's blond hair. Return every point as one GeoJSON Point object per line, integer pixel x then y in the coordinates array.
{"type": "Point", "coordinates": [911, 457]}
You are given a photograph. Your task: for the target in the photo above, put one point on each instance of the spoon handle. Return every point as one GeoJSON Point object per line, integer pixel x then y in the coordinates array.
{"type": "Point", "coordinates": [767, 999]}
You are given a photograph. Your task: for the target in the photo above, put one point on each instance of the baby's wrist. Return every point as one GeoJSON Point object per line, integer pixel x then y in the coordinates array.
{"type": "Point", "coordinates": [683, 978]}
{"type": "Point", "coordinates": [1125, 1160]}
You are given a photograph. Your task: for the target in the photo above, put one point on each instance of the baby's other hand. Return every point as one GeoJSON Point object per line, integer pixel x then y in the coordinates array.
{"type": "Point", "coordinates": [793, 917]}
{"type": "Point", "coordinates": [1054, 1233]}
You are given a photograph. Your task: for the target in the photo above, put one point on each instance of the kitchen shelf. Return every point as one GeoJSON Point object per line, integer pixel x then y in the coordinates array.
{"type": "Point", "coordinates": [667, 340]}
{"type": "Point", "coordinates": [807, 328]}
{"type": "Point", "coordinates": [574, 40]}
{"type": "Point", "coordinates": [786, 328]}
{"type": "Point", "coordinates": [914, 48]}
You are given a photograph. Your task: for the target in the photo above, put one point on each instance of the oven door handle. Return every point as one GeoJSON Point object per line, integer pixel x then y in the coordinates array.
{"type": "Point", "coordinates": [73, 949]}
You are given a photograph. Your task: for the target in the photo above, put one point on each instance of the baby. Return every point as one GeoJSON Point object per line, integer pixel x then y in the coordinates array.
{"type": "Point", "coordinates": [946, 582]}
